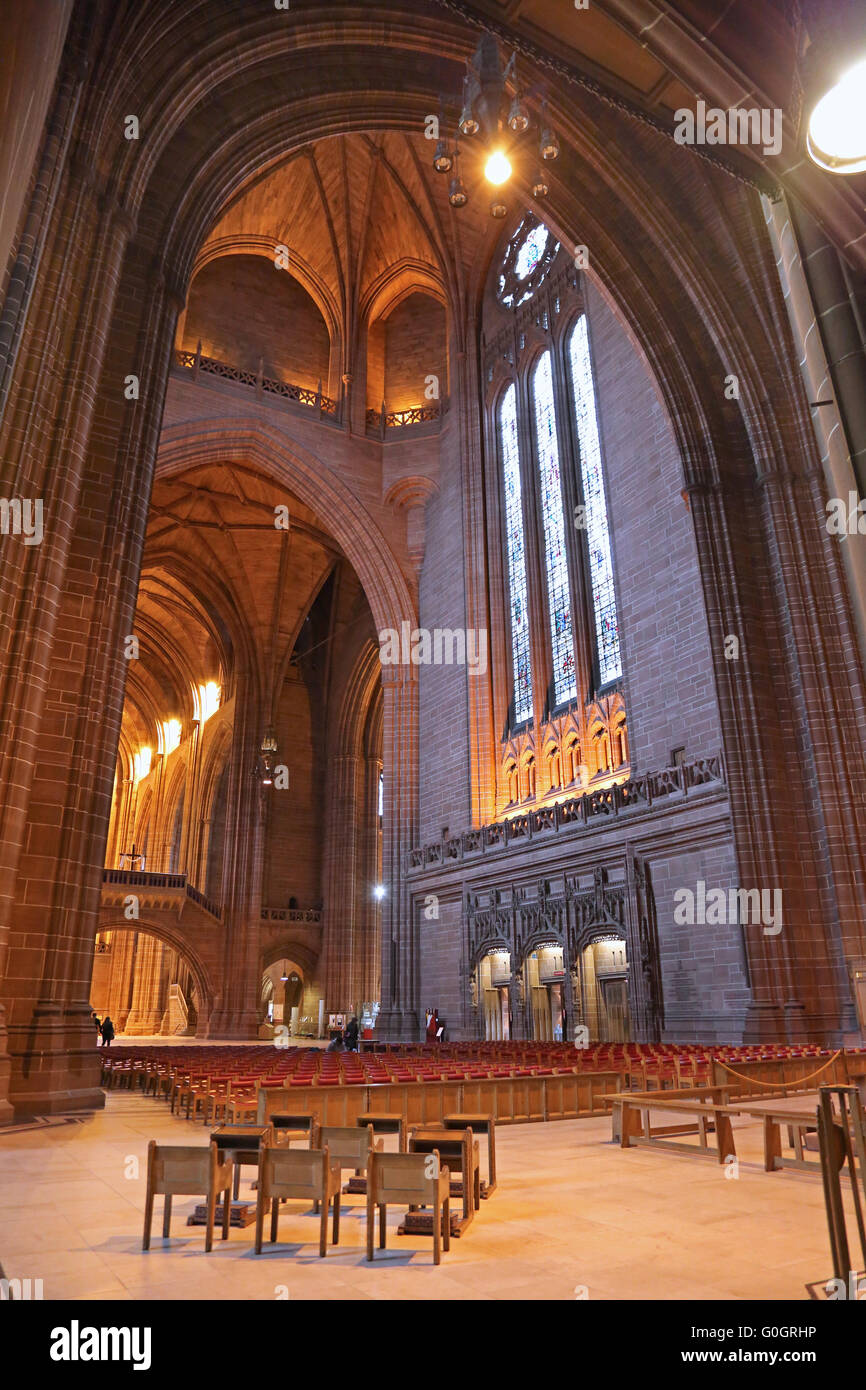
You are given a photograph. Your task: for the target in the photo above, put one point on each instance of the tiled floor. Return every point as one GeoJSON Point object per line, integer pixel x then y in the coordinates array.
{"type": "Point", "coordinates": [573, 1216]}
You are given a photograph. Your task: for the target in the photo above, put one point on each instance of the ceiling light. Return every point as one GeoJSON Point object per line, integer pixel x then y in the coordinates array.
{"type": "Point", "coordinates": [498, 168]}
{"type": "Point", "coordinates": [468, 124]}
{"type": "Point", "coordinates": [549, 146]}
{"type": "Point", "coordinates": [518, 119]}
{"type": "Point", "coordinates": [540, 185]}
{"type": "Point", "coordinates": [836, 133]}
{"type": "Point", "coordinates": [457, 195]}
{"type": "Point", "coordinates": [498, 209]}
{"type": "Point", "coordinates": [442, 160]}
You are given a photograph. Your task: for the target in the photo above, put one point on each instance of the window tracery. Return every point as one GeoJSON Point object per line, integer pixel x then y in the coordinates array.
{"type": "Point", "coordinates": [528, 258]}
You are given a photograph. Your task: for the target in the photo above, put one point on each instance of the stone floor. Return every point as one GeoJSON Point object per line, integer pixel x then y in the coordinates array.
{"type": "Point", "coordinates": [573, 1217]}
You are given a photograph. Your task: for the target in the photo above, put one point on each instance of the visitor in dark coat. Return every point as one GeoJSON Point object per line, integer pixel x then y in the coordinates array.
{"type": "Point", "coordinates": [107, 1031]}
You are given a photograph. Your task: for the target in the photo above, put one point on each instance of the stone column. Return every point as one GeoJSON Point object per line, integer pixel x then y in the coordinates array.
{"type": "Point", "coordinates": [235, 1011]}
{"type": "Point", "coordinates": [399, 1016]}
{"type": "Point", "coordinates": [120, 981]}
{"type": "Point", "coordinates": [149, 993]}
{"type": "Point", "coordinates": [69, 602]}
{"type": "Point", "coordinates": [344, 874]}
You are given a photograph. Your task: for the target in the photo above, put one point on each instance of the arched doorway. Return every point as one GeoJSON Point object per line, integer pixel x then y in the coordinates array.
{"type": "Point", "coordinates": [492, 986]}
{"type": "Point", "coordinates": [602, 989]}
{"type": "Point", "coordinates": [545, 981]}
{"type": "Point", "coordinates": [281, 997]}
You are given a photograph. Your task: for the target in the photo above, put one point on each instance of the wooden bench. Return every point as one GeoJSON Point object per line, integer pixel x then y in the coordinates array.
{"type": "Point", "coordinates": [799, 1123]}
{"type": "Point", "coordinates": [719, 1095]}
{"type": "Point", "coordinates": [700, 1117]}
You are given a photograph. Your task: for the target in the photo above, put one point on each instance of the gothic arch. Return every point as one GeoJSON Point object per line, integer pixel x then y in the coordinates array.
{"type": "Point", "coordinates": [247, 244]}
{"type": "Point", "coordinates": [310, 479]}
{"type": "Point", "coordinates": [177, 940]}
{"type": "Point", "coordinates": [397, 283]}
{"type": "Point", "coordinates": [290, 949]}
{"type": "Point", "coordinates": [487, 947]}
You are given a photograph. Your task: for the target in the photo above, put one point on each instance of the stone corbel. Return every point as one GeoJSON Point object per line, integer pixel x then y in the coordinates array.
{"type": "Point", "coordinates": [412, 495]}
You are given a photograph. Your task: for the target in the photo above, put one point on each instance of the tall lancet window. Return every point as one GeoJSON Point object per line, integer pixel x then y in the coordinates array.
{"type": "Point", "coordinates": [597, 531]}
{"type": "Point", "coordinates": [516, 548]}
{"type": "Point", "coordinates": [553, 520]}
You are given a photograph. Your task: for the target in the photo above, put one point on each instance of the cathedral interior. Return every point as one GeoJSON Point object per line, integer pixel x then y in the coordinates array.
{"type": "Point", "coordinates": [432, 569]}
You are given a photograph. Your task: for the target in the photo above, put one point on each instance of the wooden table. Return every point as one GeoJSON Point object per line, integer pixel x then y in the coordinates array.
{"type": "Point", "coordinates": [242, 1143]}
{"type": "Point", "coordinates": [479, 1124]}
{"type": "Point", "coordinates": [386, 1122]}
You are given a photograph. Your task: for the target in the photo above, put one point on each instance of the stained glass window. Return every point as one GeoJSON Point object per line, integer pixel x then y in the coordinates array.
{"type": "Point", "coordinates": [597, 532]}
{"type": "Point", "coordinates": [530, 251]}
{"type": "Point", "coordinates": [553, 518]}
{"type": "Point", "coordinates": [516, 557]}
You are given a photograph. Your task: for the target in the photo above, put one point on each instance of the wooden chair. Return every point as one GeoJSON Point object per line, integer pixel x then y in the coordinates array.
{"type": "Point", "coordinates": [302, 1174]}
{"type": "Point", "coordinates": [176, 1170]}
{"type": "Point", "coordinates": [460, 1149]}
{"type": "Point", "coordinates": [407, 1179]}
{"type": "Point", "coordinates": [242, 1105]}
{"type": "Point", "coordinates": [350, 1145]}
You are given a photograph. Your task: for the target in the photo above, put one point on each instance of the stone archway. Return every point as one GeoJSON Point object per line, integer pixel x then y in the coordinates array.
{"type": "Point", "coordinates": [143, 975]}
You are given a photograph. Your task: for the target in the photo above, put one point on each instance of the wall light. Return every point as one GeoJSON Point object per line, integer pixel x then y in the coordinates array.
{"type": "Point", "coordinates": [836, 131]}
{"type": "Point", "coordinates": [379, 891]}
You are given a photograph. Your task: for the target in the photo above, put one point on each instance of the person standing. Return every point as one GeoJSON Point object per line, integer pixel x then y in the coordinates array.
{"type": "Point", "coordinates": [107, 1031]}
{"type": "Point", "coordinates": [94, 1018]}
{"type": "Point", "coordinates": [350, 1037]}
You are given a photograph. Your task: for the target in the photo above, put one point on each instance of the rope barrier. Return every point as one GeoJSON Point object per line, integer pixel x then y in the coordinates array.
{"type": "Point", "coordinates": [774, 1085]}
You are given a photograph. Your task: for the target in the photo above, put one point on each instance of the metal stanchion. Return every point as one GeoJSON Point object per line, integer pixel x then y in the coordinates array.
{"type": "Point", "coordinates": [841, 1138]}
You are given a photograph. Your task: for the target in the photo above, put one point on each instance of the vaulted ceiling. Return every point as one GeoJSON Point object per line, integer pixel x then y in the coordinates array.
{"type": "Point", "coordinates": [222, 590]}
{"type": "Point", "coordinates": [364, 217]}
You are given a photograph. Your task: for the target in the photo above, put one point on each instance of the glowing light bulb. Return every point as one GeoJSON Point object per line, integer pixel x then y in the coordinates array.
{"type": "Point", "coordinates": [498, 168]}
{"type": "Point", "coordinates": [837, 127]}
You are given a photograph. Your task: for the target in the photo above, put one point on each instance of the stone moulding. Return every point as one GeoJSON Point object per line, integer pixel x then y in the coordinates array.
{"type": "Point", "coordinates": [637, 793]}
{"type": "Point", "coordinates": [292, 914]}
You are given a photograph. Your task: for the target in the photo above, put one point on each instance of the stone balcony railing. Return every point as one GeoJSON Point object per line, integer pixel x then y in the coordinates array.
{"type": "Point", "coordinates": [160, 892]}
{"type": "Point", "coordinates": [324, 406]}
{"type": "Point", "coordinates": [585, 812]}
{"type": "Point", "coordinates": [421, 419]}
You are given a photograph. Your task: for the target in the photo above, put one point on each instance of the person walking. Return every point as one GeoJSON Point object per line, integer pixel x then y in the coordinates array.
{"type": "Point", "coordinates": [107, 1031]}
